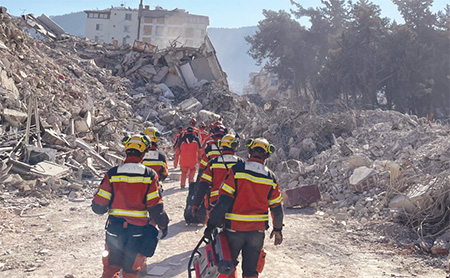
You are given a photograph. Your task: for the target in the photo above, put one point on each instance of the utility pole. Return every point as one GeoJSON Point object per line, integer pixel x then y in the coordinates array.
{"type": "Point", "coordinates": [139, 19]}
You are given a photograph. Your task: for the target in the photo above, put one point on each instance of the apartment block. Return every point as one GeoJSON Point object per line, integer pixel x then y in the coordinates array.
{"type": "Point", "coordinates": [158, 27]}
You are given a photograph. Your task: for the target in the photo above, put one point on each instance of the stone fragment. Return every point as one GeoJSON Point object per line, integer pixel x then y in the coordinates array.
{"type": "Point", "coordinates": [362, 179]}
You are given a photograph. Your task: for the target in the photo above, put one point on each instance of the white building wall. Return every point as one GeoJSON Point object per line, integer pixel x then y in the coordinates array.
{"type": "Point", "coordinates": [189, 30]}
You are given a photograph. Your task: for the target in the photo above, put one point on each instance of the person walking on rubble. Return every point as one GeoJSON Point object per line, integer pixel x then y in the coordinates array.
{"type": "Point", "coordinates": [212, 149]}
{"type": "Point", "coordinates": [176, 146]}
{"type": "Point", "coordinates": [214, 174]}
{"type": "Point", "coordinates": [189, 155]}
{"type": "Point", "coordinates": [129, 193]}
{"type": "Point", "coordinates": [154, 158]}
{"type": "Point", "coordinates": [247, 193]}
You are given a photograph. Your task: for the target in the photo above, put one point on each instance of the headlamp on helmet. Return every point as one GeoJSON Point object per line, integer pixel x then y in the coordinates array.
{"type": "Point", "coordinates": [261, 143]}
{"type": "Point", "coordinates": [137, 142]}
{"type": "Point", "coordinates": [229, 141]}
{"type": "Point", "coordinates": [153, 134]}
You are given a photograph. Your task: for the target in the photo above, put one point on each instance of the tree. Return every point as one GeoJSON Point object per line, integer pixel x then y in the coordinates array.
{"type": "Point", "coordinates": [281, 40]}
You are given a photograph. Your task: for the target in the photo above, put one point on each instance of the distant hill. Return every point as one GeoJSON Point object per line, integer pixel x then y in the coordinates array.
{"type": "Point", "coordinates": [230, 45]}
{"type": "Point", "coordinates": [231, 49]}
{"type": "Point", "coordinates": [73, 23]}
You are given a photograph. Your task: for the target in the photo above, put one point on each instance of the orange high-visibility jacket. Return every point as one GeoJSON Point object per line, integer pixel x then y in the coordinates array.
{"type": "Point", "coordinates": [214, 175]}
{"type": "Point", "coordinates": [254, 189]}
{"type": "Point", "coordinates": [157, 161]}
{"type": "Point", "coordinates": [129, 190]}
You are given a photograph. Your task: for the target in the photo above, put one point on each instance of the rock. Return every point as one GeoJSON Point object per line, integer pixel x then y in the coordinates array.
{"type": "Point", "coordinates": [440, 248]}
{"type": "Point", "coordinates": [362, 179]}
{"type": "Point", "coordinates": [358, 160]}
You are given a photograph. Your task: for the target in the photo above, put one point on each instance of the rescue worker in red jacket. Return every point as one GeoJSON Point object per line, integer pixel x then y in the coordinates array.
{"type": "Point", "coordinates": [154, 158]}
{"type": "Point", "coordinates": [192, 124]}
{"type": "Point", "coordinates": [129, 193]}
{"type": "Point", "coordinates": [176, 146]}
{"type": "Point", "coordinates": [212, 149]}
{"type": "Point", "coordinates": [214, 174]}
{"type": "Point", "coordinates": [248, 192]}
{"type": "Point", "coordinates": [203, 135]}
{"type": "Point", "coordinates": [189, 156]}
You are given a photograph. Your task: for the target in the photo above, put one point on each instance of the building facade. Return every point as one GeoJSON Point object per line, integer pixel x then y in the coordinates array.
{"type": "Point", "coordinates": [159, 27]}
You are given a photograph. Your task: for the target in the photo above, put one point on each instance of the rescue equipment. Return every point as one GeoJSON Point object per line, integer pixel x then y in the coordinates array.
{"type": "Point", "coordinates": [200, 215]}
{"type": "Point", "coordinates": [213, 260]}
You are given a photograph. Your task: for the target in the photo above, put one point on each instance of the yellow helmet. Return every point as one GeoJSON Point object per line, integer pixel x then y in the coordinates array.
{"type": "Point", "coordinates": [261, 143]}
{"type": "Point", "coordinates": [153, 134]}
{"type": "Point", "coordinates": [137, 142]}
{"type": "Point", "coordinates": [229, 141]}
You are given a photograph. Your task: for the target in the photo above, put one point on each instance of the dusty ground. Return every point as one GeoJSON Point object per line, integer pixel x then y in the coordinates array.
{"type": "Point", "coordinates": [65, 239]}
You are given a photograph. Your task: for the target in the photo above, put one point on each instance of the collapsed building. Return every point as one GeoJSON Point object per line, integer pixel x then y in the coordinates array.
{"type": "Point", "coordinates": [66, 102]}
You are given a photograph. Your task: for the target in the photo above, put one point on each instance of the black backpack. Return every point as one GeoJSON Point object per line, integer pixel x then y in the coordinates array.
{"type": "Point", "coordinates": [200, 217]}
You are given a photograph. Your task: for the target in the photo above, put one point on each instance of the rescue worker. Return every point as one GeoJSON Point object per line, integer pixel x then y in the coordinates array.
{"type": "Point", "coordinates": [214, 174]}
{"type": "Point", "coordinates": [176, 146]}
{"type": "Point", "coordinates": [189, 156]}
{"type": "Point", "coordinates": [245, 196]}
{"type": "Point", "coordinates": [154, 158]}
{"type": "Point", "coordinates": [192, 124]}
{"type": "Point", "coordinates": [203, 135]}
{"type": "Point", "coordinates": [212, 149]}
{"type": "Point", "coordinates": [129, 193]}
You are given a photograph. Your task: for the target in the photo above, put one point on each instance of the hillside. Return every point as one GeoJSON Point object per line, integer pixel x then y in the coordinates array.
{"type": "Point", "coordinates": [73, 23]}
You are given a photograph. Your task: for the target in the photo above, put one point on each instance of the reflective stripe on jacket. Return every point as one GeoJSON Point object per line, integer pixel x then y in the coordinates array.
{"type": "Point", "coordinates": [255, 189]}
{"type": "Point", "coordinates": [128, 191]}
{"type": "Point", "coordinates": [157, 161]}
{"type": "Point", "coordinates": [211, 152]}
{"type": "Point", "coordinates": [217, 169]}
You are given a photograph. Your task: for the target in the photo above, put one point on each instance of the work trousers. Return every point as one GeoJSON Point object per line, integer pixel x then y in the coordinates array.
{"type": "Point", "coordinates": [250, 243]}
{"type": "Point", "coordinates": [124, 244]}
{"type": "Point", "coordinates": [185, 171]}
{"type": "Point", "coordinates": [177, 158]}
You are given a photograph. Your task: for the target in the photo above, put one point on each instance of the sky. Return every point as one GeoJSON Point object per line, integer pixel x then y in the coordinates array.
{"type": "Point", "coordinates": [221, 13]}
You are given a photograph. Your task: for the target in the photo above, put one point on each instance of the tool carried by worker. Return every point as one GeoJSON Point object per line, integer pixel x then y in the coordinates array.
{"type": "Point", "coordinates": [213, 260]}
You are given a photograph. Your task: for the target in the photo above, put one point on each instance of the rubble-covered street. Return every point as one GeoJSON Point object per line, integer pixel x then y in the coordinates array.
{"type": "Point", "coordinates": [377, 180]}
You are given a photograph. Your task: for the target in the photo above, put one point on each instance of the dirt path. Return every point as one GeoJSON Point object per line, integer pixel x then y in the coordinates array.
{"type": "Point", "coordinates": [65, 239]}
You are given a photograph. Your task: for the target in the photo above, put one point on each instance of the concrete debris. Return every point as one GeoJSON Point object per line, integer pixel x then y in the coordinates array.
{"type": "Point", "coordinates": [90, 95]}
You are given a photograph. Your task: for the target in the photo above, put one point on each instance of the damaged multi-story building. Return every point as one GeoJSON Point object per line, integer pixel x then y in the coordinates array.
{"type": "Point", "coordinates": [158, 27]}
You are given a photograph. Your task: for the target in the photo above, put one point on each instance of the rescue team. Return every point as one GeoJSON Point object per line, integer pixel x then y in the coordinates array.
{"type": "Point", "coordinates": [238, 195]}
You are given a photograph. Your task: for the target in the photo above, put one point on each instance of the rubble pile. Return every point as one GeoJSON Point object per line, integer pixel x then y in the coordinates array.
{"type": "Point", "coordinates": [66, 103]}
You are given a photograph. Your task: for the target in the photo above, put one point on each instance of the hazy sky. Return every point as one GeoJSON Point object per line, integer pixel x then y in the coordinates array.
{"type": "Point", "coordinates": [222, 13]}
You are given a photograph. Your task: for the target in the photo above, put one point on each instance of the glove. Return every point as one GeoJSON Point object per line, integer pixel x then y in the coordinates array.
{"type": "Point", "coordinates": [164, 232]}
{"type": "Point", "coordinates": [209, 230]}
{"type": "Point", "coordinates": [278, 236]}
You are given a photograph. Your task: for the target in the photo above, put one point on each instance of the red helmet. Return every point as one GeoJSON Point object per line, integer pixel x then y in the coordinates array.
{"type": "Point", "coordinates": [202, 125]}
{"type": "Point", "coordinates": [193, 121]}
{"type": "Point", "coordinates": [219, 130]}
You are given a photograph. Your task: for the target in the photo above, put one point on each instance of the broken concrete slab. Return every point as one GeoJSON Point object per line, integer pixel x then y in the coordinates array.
{"type": "Point", "coordinates": [161, 74]}
{"type": "Point", "coordinates": [190, 105]}
{"type": "Point", "coordinates": [14, 117]}
{"type": "Point", "coordinates": [48, 168]}
{"type": "Point", "coordinates": [416, 198]}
